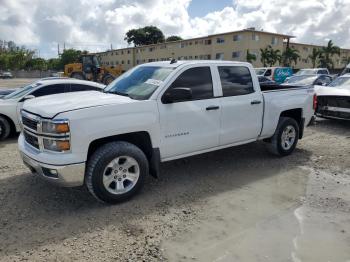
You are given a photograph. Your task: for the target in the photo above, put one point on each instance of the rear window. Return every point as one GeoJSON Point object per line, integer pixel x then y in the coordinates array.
{"type": "Point", "coordinates": [235, 80]}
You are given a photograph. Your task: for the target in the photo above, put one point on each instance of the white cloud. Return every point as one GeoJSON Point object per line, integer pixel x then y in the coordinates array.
{"type": "Point", "coordinates": [95, 24]}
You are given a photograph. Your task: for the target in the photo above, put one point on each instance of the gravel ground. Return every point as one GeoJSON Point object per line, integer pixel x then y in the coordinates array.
{"type": "Point", "coordinates": [238, 204]}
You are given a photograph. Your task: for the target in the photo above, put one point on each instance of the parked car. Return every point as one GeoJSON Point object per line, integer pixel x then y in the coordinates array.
{"type": "Point", "coordinates": [312, 71]}
{"type": "Point", "coordinates": [156, 112]}
{"type": "Point", "coordinates": [263, 80]}
{"type": "Point", "coordinates": [306, 80]}
{"type": "Point", "coordinates": [5, 92]}
{"type": "Point", "coordinates": [277, 74]}
{"type": "Point", "coordinates": [10, 105]}
{"type": "Point", "coordinates": [6, 75]}
{"type": "Point", "coordinates": [333, 101]}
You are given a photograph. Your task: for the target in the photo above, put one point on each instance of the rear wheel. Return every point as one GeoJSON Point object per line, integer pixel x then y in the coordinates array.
{"type": "Point", "coordinates": [285, 138]}
{"type": "Point", "coordinates": [116, 172]}
{"type": "Point", "coordinates": [5, 128]}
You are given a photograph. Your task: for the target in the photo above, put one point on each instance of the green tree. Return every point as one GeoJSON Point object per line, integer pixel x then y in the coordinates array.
{"type": "Point", "coordinates": [173, 38]}
{"type": "Point", "coordinates": [36, 64]}
{"type": "Point", "coordinates": [250, 57]}
{"type": "Point", "coordinates": [289, 56]}
{"type": "Point", "coordinates": [327, 53]}
{"type": "Point", "coordinates": [314, 56]}
{"type": "Point", "coordinates": [145, 36]}
{"type": "Point", "coordinates": [4, 61]}
{"type": "Point", "coordinates": [54, 64]}
{"type": "Point", "coordinates": [70, 56]}
{"type": "Point", "coordinates": [264, 56]}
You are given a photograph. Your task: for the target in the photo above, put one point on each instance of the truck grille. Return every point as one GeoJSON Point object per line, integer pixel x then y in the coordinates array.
{"type": "Point", "coordinates": [29, 123]}
{"type": "Point", "coordinates": [31, 140]}
{"type": "Point", "coordinates": [336, 101]}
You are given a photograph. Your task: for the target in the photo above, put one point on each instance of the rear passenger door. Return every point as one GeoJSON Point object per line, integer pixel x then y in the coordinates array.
{"type": "Point", "coordinates": [192, 125]}
{"type": "Point", "coordinates": [242, 105]}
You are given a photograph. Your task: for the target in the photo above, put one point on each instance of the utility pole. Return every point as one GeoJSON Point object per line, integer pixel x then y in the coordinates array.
{"type": "Point", "coordinates": [64, 46]}
{"type": "Point", "coordinates": [111, 47]}
{"type": "Point", "coordinates": [58, 49]}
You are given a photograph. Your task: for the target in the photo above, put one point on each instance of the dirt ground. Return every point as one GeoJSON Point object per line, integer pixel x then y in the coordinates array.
{"type": "Point", "coordinates": [237, 204]}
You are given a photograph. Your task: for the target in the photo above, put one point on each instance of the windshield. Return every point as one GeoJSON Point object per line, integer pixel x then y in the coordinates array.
{"type": "Point", "coordinates": [140, 82]}
{"type": "Point", "coordinates": [306, 72]}
{"type": "Point", "coordinates": [260, 71]}
{"type": "Point", "coordinates": [340, 82]}
{"type": "Point", "coordinates": [302, 80]}
{"type": "Point", "coordinates": [22, 91]}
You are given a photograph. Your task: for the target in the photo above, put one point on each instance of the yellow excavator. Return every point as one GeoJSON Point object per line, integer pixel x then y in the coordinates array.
{"type": "Point", "coordinates": [89, 68]}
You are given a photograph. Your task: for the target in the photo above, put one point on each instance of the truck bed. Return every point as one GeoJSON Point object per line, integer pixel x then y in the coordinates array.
{"type": "Point", "coordinates": [277, 87]}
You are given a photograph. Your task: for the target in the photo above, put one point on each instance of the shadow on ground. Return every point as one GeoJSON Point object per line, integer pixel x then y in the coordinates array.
{"type": "Point", "coordinates": [34, 213]}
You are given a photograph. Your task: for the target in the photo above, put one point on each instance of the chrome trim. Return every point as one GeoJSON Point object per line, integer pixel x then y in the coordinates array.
{"type": "Point", "coordinates": [40, 135]}
{"type": "Point", "coordinates": [335, 109]}
{"type": "Point", "coordinates": [68, 176]}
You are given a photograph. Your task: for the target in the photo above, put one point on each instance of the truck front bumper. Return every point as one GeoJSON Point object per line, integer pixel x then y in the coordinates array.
{"type": "Point", "coordinates": [66, 176]}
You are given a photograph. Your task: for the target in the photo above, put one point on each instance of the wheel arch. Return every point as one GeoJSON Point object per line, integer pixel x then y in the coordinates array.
{"type": "Point", "coordinates": [11, 122]}
{"type": "Point", "coordinates": [297, 115]}
{"type": "Point", "coordinates": [141, 139]}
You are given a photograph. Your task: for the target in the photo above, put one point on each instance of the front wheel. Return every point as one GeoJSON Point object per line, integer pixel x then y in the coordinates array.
{"type": "Point", "coordinates": [285, 138]}
{"type": "Point", "coordinates": [116, 172]}
{"type": "Point", "coordinates": [5, 128]}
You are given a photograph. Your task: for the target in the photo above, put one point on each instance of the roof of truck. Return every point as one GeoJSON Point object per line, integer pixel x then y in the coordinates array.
{"type": "Point", "coordinates": [191, 62]}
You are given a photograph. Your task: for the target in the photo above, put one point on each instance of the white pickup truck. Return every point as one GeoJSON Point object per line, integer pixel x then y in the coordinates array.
{"type": "Point", "coordinates": [154, 113]}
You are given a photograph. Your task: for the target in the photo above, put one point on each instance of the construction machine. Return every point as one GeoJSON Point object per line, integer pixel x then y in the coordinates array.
{"type": "Point", "coordinates": [89, 68]}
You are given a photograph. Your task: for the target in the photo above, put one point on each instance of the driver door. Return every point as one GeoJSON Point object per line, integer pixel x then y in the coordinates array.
{"type": "Point", "coordinates": [192, 125]}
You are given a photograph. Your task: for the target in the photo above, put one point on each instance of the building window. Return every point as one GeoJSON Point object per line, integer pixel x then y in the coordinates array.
{"type": "Point", "coordinates": [306, 49]}
{"type": "Point", "coordinates": [122, 52]}
{"type": "Point", "coordinates": [196, 42]}
{"type": "Point", "coordinates": [182, 45]}
{"type": "Point", "coordinates": [117, 62]}
{"type": "Point", "coordinates": [128, 51]}
{"type": "Point", "coordinates": [236, 54]}
{"type": "Point", "coordinates": [220, 40]}
{"type": "Point", "coordinates": [196, 57]}
{"type": "Point", "coordinates": [207, 42]}
{"type": "Point", "coordinates": [274, 40]}
{"type": "Point", "coordinates": [111, 53]}
{"type": "Point", "coordinates": [219, 56]}
{"type": "Point", "coordinates": [128, 62]}
{"type": "Point", "coordinates": [255, 37]}
{"type": "Point", "coordinates": [237, 38]}
{"type": "Point", "coordinates": [163, 47]}
{"type": "Point", "coordinates": [122, 62]}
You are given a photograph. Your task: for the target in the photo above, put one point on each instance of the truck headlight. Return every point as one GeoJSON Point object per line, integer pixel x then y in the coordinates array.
{"type": "Point", "coordinates": [55, 127]}
{"type": "Point", "coordinates": [56, 145]}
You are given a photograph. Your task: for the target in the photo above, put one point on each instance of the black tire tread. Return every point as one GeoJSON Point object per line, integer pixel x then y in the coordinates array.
{"type": "Point", "coordinates": [107, 149]}
{"type": "Point", "coordinates": [6, 128]}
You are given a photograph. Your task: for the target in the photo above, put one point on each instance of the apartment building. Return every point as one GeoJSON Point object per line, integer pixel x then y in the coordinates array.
{"type": "Point", "coordinates": [225, 46]}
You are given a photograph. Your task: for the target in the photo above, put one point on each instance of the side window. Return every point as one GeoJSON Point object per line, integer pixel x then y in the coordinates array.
{"type": "Point", "coordinates": [268, 72]}
{"type": "Point", "coordinates": [77, 88]}
{"type": "Point", "coordinates": [235, 80]}
{"type": "Point", "coordinates": [50, 90]}
{"type": "Point", "coordinates": [199, 80]}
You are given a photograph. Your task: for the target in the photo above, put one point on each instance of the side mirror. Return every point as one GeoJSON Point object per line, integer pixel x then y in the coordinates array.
{"type": "Point", "coordinates": [178, 94]}
{"type": "Point", "coordinates": [28, 97]}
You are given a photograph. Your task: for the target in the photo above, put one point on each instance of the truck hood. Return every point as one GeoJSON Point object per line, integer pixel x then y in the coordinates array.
{"type": "Point", "coordinates": [331, 91]}
{"type": "Point", "coordinates": [49, 106]}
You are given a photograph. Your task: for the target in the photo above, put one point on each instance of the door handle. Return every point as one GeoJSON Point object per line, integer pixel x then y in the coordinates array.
{"type": "Point", "coordinates": [255, 102]}
{"type": "Point", "coordinates": [212, 108]}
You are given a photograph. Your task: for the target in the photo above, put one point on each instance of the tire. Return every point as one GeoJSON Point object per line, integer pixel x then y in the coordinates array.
{"type": "Point", "coordinates": [105, 176]}
{"type": "Point", "coordinates": [283, 145]}
{"type": "Point", "coordinates": [5, 128]}
{"type": "Point", "coordinates": [108, 79]}
{"type": "Point", "coordinates": [78, 76]}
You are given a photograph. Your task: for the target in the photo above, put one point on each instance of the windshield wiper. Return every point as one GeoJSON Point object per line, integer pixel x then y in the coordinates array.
{"type": "Point", "coordinates": [120, 94]}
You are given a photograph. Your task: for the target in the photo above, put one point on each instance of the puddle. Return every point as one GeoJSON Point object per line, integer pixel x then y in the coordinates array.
{"type": "Point", "coordinates": [284, 217]}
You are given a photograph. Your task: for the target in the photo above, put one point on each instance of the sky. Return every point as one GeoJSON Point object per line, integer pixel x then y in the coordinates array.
{"type": "Point", "coordinates": [95, 25]}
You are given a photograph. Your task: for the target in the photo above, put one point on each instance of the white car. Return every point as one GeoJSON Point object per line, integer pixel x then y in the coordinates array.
{"type": "Point", "coordinates": [312, 71]}
{"type": "Point", "coordinates": [157, 112]}
{"type": "Point", "coordinates": [11, 104]}
{"type": "Point", "coordinates": [333, 101]}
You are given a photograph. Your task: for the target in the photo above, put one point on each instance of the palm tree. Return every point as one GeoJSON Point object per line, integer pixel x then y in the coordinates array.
{"type": "Point", "coordinates": [327, 52]}
{"type": "Point", "coordinates": [250, 57]}
{"type": "Point", "coordinates": [274, 56]}
{"type": "Point", "coordinates": [265, 53]}
{"type": "Point", "coordinates": [290, 55]}
{"type": "Point", "coordinates": [314, 56]}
